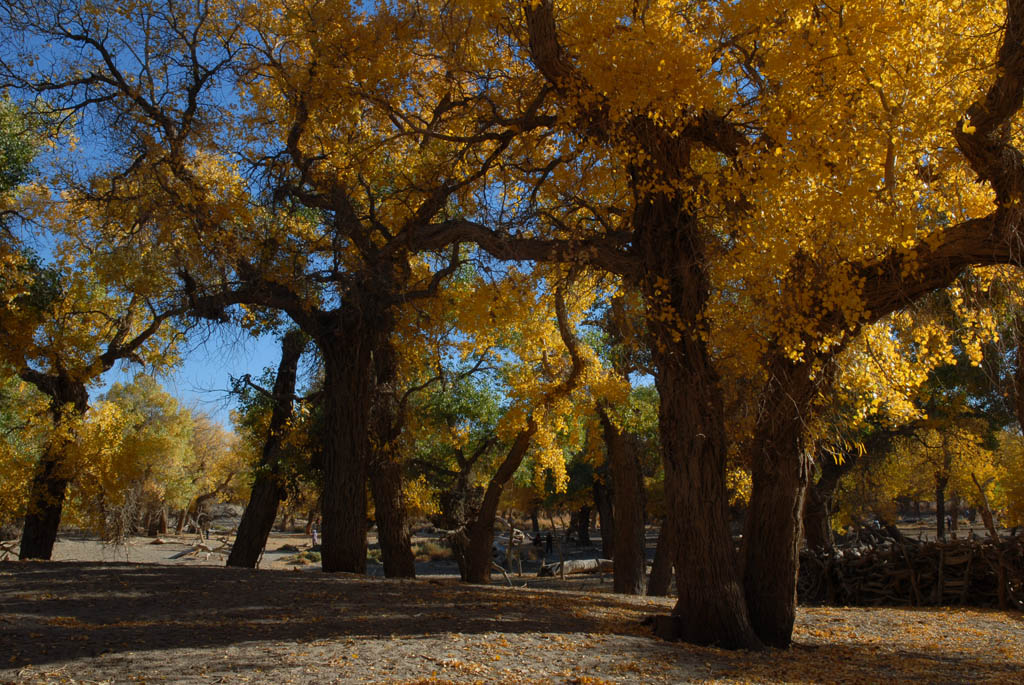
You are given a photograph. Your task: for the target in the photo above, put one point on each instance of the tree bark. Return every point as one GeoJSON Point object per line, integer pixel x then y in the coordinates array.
{"type": "Point", "coordinates": [661, 569]}
{"type": "Point", "coordinates": [69, 401]}
{"type": "Point", "coordinates": [781, 471]}
{"type": "Point", "coordinates": [605, 512]}
{"type": "Point", "coordinates": [582, 521]}
{"type": "Point", "coordinates": [630, 555]}
{"type": "Point", "coordinates": [710, 608]}
{"type": "Point", "coordinates": [349, 390]}
{"type": "Point", "coordinates": [392, 526]}
{"type": "Point", "coordinates": [818, 502]}
{"type": "Point", "coordinates": [480, 531]}
{"type": "Point", "coordinates": [267, 489]}
{"type": "Point", "coordinates": [385, 467]}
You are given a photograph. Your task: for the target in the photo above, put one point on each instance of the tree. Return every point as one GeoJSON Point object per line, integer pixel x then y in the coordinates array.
{"type": "Point", "coordinates": [72, 321]}
{"type": "Point", "coordinates": [339, 129]}
{"type": "Point", "coordinates": [700, 170]}
{"type": "Point", "coordinates": [24, 427]}
{"type": "Point", "coordinates": [130, 455]}
{"type": "Point", "coordinates": [269, 488]}
{"type": "Point", "coordinates": [474, 434]}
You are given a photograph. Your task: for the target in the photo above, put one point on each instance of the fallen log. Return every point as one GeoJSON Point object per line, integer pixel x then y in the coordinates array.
{"type": "Point", "coordinates": [223, 549]}
{"type": "Point", "coordinates": [577, 566]}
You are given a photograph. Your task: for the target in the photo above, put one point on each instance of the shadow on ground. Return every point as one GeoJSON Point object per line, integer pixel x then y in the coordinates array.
{"type": "Point", "coordinates": [103, 617]}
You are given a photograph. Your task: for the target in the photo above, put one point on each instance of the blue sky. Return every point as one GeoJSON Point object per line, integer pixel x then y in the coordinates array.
{"type": "Point", "coordinates": [203, 379]}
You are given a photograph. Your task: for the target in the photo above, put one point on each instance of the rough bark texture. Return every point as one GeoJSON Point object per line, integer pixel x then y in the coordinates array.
{"type": "Point", "coordinates": [781, 470]}
{"type": "Point", "coordinates": [345, 448]}
{"type": "Point", "coordinates": [267, 490]}
{"type": "Point", "coordinates": [661, 569]}
{"type": "Point", "coordinates": [710, 608]}
{"type": "Point", "coordinates": [385, 468]}
{"type": "Point", "coordinates": [69, 401]}
{"type": "Point", "coordinates": [390, 513]}
{"type": "Point", "coordinates": [629, 553]}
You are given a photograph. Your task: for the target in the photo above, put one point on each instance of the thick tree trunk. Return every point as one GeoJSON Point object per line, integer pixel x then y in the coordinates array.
{"type": "Point", "coordinates": [267, 490]}
{"type": "Point", "coordinates": [69, 401]}
{"type": "Point", "coordinates": [480, 531]}
{"type": "Point", "coordinates": [385, 468]}
{"type": "Point", "coordinates": [605, 513]}
{"type": "Point", "coordinates": [392, 526]}
{"type": "Point", "coordinates": [710, 608]}
{"type": "Point", "coordinates": [661, 569]}
{"type": "Point", "coordinates": [781, 471]}
{"type": "Point", "coordinates": [46, 505]}
{"type": "Point", "coordinates": [630, 554]}
{"type": "Point", "coordinates": [349, 391]}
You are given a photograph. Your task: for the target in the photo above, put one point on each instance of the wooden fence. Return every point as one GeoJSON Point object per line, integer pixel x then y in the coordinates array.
{"type": "Point", "coordinates": [973, 572]}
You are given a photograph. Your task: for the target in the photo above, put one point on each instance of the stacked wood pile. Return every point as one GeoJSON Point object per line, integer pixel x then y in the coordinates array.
{"type": "Point", "coordinates": [972, 572]}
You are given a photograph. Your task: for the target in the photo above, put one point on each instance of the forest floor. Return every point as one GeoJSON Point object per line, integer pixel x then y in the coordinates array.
{"type": "Point", "coordinates": [90, 621]}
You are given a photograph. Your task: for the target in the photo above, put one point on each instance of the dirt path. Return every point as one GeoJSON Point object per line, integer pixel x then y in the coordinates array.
{"type": "Point", "coordinates": [115, 622]}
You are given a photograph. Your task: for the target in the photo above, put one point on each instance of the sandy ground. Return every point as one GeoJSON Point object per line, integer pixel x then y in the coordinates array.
{"type": "Point", "coordinates": [112, 622]}
{"type": "Point", "coordinates": [101, 614]}
{"type": "Point", "coordinates": [143, 550]}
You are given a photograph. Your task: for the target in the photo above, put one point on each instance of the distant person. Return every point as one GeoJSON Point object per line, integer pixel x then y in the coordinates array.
{"type": "Point", "coordinates": [549, 544]}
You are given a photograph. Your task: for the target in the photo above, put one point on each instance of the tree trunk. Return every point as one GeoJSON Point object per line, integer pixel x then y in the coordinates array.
{"type": "Point", "coordinates": [583, 526]}
{"type": "Point", "coordinates": [392, 526]}
{"type": "Point", "coordinates": [385, 467]}
{"type": "Point", "coordinates": [267, 489]}
{"type": "Point", "coordinates": [153, 524]}
{"type": "Point", "coordinates": [480, 531]}
{"type": "Point", "coordinates": [710, 608]}
{"type": "Point", "coordinates": [940, 507]}
{"type": "Point", "coordinates": [349, 391]}
{"type": "Point", "coordinates": [661, 569]}
{"type": "Point", "coordinates": [818, 503]}
{"type": "Point", "coordinates": [817, 530]}
{"type": "Point", "coordinates": [46, 505]}
{"type": "Point", "coordinates": [630, 555]}
{"type": "Point", "coordinates": [781, 471]}
{"type": "Point", "coordinates": [69, 401]}
{"type": "Point", "coordinates": [605, 513]}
